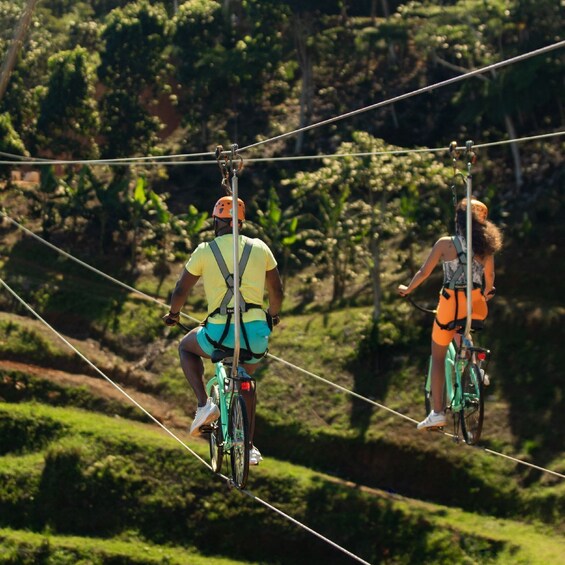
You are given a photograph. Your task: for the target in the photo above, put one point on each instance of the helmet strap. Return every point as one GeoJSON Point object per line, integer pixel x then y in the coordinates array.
{"type": "Point", "coordinates": [223, 226]}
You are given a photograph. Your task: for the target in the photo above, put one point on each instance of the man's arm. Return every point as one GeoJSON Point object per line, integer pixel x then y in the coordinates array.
{"type": "Point", "coordinates": [183, 287]}
{"type": "Point", "coordinates": [275, 291]}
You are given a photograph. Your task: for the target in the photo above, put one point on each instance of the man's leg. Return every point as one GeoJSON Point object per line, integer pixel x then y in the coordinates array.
{"type": "Point", "coordinates": [191, 355]}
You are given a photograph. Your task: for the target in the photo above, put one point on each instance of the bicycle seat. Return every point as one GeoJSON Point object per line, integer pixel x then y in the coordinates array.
{"type": "Point", "coordinates": [459, 325]}
{"type": "Point", "coordinates": [220, 354]}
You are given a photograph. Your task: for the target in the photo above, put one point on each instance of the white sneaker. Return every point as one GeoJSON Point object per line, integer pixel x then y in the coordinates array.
{"type": "Point", "coordinates": [254, 456]}
{"type": "Point", "coordinates": [204, 415]}
{"type": "Point", "coordinates": [433, 420]}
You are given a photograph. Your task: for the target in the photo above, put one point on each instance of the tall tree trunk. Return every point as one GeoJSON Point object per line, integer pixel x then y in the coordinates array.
{"type": "Point", "coordinates": [375, 249]}
{"type": "Point", "coordinates": [375, 272]}
{"type": "Point", "coordinates": [511, 130]}
{"type": "Point", "coordinates": [15, 47]}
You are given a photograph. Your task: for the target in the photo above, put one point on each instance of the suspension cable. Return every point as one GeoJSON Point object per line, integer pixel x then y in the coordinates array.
{"type": "Point", "coordinates": [423, 90]}
{"type": "Point", "coordinates": [47, 162]}
{"type": "Point", "coordinates": [382, 406]}
{"type": "Point", "coordinates": [172, 434]}
{"type": "Point", "coordinates": [90, 267]}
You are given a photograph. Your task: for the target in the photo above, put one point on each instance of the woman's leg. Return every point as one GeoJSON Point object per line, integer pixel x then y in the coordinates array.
{"type": "Point", "coordinates": [438, 375]}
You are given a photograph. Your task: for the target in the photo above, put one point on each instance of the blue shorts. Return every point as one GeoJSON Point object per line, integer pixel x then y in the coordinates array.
{"type": "Point", "coordinates": [258, 333]}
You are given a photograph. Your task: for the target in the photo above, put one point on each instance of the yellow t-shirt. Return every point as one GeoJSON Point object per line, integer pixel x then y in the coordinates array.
{"type": "Point", "coordinates": [202, 263]}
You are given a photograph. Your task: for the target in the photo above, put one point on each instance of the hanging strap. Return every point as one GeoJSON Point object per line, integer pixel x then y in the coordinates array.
{"type": "Point", "coordinates": [228, 277]}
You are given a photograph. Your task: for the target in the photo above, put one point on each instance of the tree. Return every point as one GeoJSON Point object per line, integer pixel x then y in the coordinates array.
{"type": "Point", "coordinates": [225, 55]}
{"type": "Point", "coordinates": [10, 142]}
{"type": "Point", "coordinates": [360, 203]}
{"type": "Point", "coordinates": [280, 230]}
{"type": "Point", "coordinates": [131, 69]}
{"type": "Point", "coordinates": [471, 34]}
{"type": "Point", "coordinates": [68, 120]}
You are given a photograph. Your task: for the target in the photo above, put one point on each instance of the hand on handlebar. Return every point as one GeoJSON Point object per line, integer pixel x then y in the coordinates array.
{"type": "Point", "coordinates": [272, 321]}
{"type": "Point", "coordinates": [171, 319]}
{"type": "Point", "coordinates": [402, 288]}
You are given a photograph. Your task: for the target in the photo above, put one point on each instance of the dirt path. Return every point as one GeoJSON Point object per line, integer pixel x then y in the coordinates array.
{"type": "Point", "coordinates": [165, 412]}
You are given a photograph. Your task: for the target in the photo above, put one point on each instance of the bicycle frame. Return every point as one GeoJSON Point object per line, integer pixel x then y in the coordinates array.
{"type": "Point", "coordinates": [231, 432]}
{"type": "Point", "coordinates": [227, 387]}
{"type": "Point", "coordinates": [461, 396]}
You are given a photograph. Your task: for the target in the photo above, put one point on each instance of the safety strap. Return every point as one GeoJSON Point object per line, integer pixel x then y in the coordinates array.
{"type": "Point", "coordinates": [462, 256]}
{"type": "Point", "coordinates": [228, 277]}
{"type": "Point", "coordinates": [224, 309]}
{"type": "Point", "coordinates": [218, 344]}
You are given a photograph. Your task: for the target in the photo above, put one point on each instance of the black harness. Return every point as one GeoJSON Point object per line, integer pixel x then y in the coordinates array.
{"type": "Point", "coordinates": [229, 311]}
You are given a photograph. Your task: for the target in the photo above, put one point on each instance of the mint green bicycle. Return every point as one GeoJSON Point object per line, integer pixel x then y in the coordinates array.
{"type": "Point", "coordinates": [465, 367]}
{"type": "Point", "coordinates": [230, 433]}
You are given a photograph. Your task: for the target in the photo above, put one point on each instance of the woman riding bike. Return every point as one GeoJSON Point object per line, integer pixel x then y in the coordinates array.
{"type": "Point", "coordinates": [451, 310]}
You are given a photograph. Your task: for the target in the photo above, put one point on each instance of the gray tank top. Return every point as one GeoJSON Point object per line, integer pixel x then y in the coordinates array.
{"type": "Point", "coordinates": [450, 267]}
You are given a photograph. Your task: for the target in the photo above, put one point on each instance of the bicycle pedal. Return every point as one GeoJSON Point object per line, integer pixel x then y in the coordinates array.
{"type": "Point", "coordinates": [435, 429]}
{"type": "Point", "coordinates": [206, 429]}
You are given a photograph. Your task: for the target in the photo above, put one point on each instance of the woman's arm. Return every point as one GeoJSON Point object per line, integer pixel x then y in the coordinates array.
{"type": "Point", "coordinates": [426, 269]}
{"type": "Point", "coordinates": [489, 276]}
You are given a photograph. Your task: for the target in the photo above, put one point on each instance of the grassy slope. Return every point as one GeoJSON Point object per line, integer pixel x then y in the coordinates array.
{"type": "Point", "coordinates": [308, 422]}
{"type": "Point", "coordinates": [503, 541]}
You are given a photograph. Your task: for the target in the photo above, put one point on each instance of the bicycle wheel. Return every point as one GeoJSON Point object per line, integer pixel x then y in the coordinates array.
{"type": "Point", "coordinates": [216, 436]}
{"type": "Point", "coordinates": [472, 404]}
{"type": "Point", "coordinates": [239, 431]}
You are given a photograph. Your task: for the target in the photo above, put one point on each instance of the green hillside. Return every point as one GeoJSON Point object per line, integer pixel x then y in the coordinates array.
{"type": "Point", "coordinates": [349, 197]}
{"type": "Point", "coordinates": [64, 469]}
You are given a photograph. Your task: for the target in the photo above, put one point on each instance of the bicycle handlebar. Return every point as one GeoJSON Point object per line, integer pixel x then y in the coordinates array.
{"type": "Point", "coordinates": [183, 327]}
{"type": "Point", "coordinates": [419, 307]}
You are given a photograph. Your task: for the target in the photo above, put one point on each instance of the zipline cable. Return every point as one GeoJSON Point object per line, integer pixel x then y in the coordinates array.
{"type": "Point", "coordinates": [172, 434]}
{"type": "Point", "coordinates": [90, 267]}
{"type": "Point", "coordinates": [115, 161]}
{"type": "Point", "coordinates": [396, 413]}
{"type": "Point", "coordinates": [405, 96]}
{"type": "Point", "coordinates": [339, 387]}
{"type": "Point", "coordinates": [47, 162]}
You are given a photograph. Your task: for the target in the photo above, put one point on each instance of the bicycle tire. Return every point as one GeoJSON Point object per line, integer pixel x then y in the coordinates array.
{"type": "Point", "coordinates": [239, 431]}
{"type": "Point", "coordinates": [216, 439]}
{"type": "Point", "coordinates": [472, 402]}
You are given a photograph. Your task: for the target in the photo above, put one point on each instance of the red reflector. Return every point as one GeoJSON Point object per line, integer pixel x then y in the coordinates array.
{"type": "Point", "coordinates": [245, 385]}
{"type": "Point", "coordinates": [481, 356]}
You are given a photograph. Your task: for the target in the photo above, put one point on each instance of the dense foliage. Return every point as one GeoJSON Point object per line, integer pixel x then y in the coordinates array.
{"type": "Point", "coordinates": [146, 79]}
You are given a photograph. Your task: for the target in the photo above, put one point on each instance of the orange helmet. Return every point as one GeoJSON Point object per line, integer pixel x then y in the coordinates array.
{"type": "Point", "coordinates": [223, 208]}
{"type": "Point", "coordinates": [480, 209]}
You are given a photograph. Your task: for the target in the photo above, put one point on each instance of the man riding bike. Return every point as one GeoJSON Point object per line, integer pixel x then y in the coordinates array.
{"type": "Point", "coordinates": [258, 270]}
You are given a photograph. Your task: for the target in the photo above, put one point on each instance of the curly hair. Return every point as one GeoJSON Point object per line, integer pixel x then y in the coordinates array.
{"type": "Point", "coordinates": [486, 237]}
